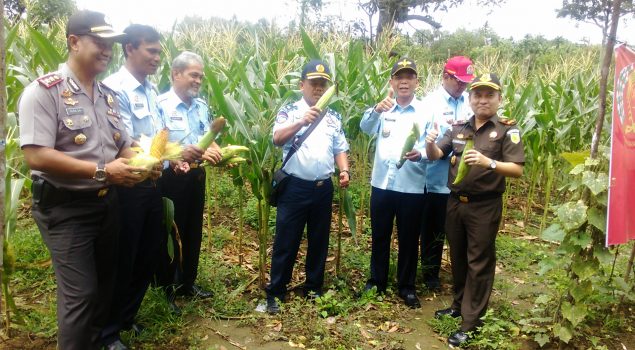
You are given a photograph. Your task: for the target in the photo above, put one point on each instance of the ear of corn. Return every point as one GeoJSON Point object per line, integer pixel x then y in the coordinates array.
{"type": "Point", "coordinates": [159, 149]}
{"type": "Point", "coordinates": [158, 143]}
{"type": "Point", "coordinates": [323, 102]}
{"type": "Point", "coordinates": [217, 125]}
{"type": "Point", "coordinates": [229, 155]}
{"type": "Point", "coordinates": [409, 144]}
{"type": "Point", "coordinates": [464, 168]}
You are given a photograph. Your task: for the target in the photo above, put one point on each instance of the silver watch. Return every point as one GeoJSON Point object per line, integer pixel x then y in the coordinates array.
{"type": "Point", "coordinates": [100, 173]}
{"type": "Point", "coordinates": [492, 164]}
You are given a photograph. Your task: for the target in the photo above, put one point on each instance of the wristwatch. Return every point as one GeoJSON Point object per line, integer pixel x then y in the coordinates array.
{"type": "Point", "coordinates": [100, 173]}
{"type": "Point", "coordinates": [492, 164]}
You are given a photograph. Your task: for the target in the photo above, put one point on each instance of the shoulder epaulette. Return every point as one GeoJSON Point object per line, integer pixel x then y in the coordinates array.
{"type": "Point", "coordinates": [507, 121]}
{"type": "Point", "coordinates": [50, 80]}
{"type": "Point", "coordinates": [459, 122]}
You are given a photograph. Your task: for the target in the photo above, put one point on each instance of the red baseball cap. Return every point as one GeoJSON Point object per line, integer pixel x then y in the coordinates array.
{"type": "Point", "coordinates": [460, 67]}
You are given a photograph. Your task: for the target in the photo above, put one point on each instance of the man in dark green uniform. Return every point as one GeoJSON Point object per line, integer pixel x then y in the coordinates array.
{"type": "Point", "coordinates": [475, 205]}
{"type": "Point", "coordinates": [74, 141]}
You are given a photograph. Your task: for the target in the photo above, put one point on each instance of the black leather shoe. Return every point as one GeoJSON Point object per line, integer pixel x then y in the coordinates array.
{"type": "Point", "coordinates": [116, 345]}
{"type": "Point", "coordinates": [411, 300]}
{"type": "Point", "coordinates": [272, 306]}
{"type": "Point", "coordinates": [194, 291]}
{"type": "Point", "coordinates": [458, 339]}
{"type": "Point", "coordinates": [447, 312]}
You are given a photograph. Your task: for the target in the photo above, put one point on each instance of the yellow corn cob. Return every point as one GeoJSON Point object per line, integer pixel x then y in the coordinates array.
{"type": "Point", "coordinates": [158, 144]}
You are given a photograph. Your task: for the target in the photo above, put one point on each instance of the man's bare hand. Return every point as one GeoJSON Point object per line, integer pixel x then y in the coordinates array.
{"type": "Point", "coordinates": [118, 172]}
{"type": "Point", "coordinates": [191, 153]}
{"type": "Point", "coordinates": [386, 104]}
{"type": "Point", "coordinates": [311, 115]}
{"type": "Point", "coordinates": [212, 155]}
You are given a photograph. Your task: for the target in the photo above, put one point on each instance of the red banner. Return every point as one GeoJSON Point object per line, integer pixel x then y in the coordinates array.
{"type": "Point", "coordinates": [620, 226]}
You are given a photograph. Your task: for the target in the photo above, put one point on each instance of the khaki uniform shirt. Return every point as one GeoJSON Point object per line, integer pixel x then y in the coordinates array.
{"type": "Point", "coordinates": [497, 139]}
{"type": "Point", "coordinates": [56, 112]}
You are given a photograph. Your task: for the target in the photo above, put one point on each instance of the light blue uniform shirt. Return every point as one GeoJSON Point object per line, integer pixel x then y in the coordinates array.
{"type": "Point", "coordinates": [186, 124]}
{"type": "Point", "coordinates": [316, 157]}
{"type": "Point", "coordinates": [443, 109]}
{"type": "Point", "coordinates": [392, 128]}
{"type": "Point", "coordinates": [138, 104]}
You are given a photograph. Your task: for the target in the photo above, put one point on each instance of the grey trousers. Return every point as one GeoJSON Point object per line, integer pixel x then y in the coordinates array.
{"type": "Point", "coordinates": [81, 235]}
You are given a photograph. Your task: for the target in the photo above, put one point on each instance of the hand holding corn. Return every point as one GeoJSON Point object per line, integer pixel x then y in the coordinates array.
{"type": "Point", "coordinates": [119, 172]}
{"type": "Point", "coordinates": [191, 153]}
{"type": "Point", "coordinates": [310, 116]}
{"type": "Point", "coordinates": [213, 154]}
{"type": "Point", "coordinates": [386, 104]}
{"type": "Point", "coordinates": [474, 157]}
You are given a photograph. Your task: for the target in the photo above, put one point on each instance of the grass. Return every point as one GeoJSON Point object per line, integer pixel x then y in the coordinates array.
{"type": "Point", "coordinates": [344, 318]}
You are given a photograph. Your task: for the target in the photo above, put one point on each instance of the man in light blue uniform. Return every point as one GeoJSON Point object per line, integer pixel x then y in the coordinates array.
{"type": "Point", "coordinates": [396, 192]}
{"type": "Point", "coordinates": [444, 106]}
{"type": "Point", "coordinates": [308, 195]}
{"type": "Point", "coordinates": [141, 206]}
{"type": "Point", "coordinates": [187, 118]}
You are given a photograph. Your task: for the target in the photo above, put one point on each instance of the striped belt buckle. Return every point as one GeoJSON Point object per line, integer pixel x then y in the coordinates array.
{"type": "Point", "coordinates": [464, 199]}
{"type": "Point", "coordinates": [102, 192]}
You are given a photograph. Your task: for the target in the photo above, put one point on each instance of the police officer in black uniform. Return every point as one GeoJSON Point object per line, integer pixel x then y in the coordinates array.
{"type": "Point", "coordinates": [475, 204]}
{"type": "Point", "coordinates": [73, 139]}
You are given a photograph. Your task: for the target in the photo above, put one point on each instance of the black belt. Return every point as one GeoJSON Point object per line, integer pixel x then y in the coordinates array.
{"type": "Point", "coordinates": [467, 198]}
{"type": "Point", "coordinates": [46, 194]}
{"type": "Point", "coordinates": [316, 183]}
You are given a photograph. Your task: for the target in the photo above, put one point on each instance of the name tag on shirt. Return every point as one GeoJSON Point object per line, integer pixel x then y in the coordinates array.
{"type": "Point", "coordinates": [74, 110]}
{"type": "Point", "coordinates": [138, 105]}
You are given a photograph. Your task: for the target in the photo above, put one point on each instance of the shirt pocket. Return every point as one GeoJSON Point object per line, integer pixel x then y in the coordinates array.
{"type": "Point", "coordinates": [176, 123]}
{"type": "Point", "coordinates": [491, 148]}
{"type": "Point", "coordinates": [458, 145]}
{"type": "Point", "coordinates": [72, 123]}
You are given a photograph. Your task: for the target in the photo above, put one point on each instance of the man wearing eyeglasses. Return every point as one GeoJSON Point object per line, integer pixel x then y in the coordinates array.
{"type": "Point", "coordinates": [445, 105]}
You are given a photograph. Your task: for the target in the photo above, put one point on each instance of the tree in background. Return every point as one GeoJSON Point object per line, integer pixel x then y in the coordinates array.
{"type": "Point", "coordinates": [399, 11]}
{"type": "Point", "coordinates": [38, 11]}
{"type": "Point", "coordinates": [597, 12]}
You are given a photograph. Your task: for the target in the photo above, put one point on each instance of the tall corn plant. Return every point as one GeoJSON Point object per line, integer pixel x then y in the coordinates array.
{"type": "Point", "coordinates": [21, 67]}
{"type": "Point", "coordinates": [249, 93]}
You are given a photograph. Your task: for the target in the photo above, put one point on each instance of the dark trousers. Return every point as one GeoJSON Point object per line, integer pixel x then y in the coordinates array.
{"type": "Point", "coordinates": [187, 191]}
{"type": "Point", "coordinates": [301, 203]}
{"type": "Point", "coordinates": [141, 233]}
{"type": "Point", "coordinates": [471, 230]}
{"type": "Point", "coordinates": [385, 206]}
{"type": "Point", "coordinates": [82, 238]}
{"type": "Point", "coordinates": [433, 234]}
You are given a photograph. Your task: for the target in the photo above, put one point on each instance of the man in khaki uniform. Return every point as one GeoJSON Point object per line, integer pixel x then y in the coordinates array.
{"type": "Point", "coordinates": [74, 141]}
{"type": "Point", "coordinates": [475, 203]}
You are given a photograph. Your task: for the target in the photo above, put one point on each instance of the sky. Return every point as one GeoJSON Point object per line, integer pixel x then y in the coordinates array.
{"type": "Point", "coordinates": [515, 18]}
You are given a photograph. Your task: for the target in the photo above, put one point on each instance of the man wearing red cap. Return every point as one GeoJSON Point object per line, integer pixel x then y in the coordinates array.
{"type": "Point", "coordinates": [445, 106]}
{"type": "Point", "coordinates": [73, 139]}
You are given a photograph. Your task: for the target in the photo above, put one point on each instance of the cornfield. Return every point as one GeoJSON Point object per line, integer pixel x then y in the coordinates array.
{"type": "Point", "coordinates": [252, 71]}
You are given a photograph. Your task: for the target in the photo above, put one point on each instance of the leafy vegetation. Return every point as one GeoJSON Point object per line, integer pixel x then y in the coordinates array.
{"type": "Point", "coordinates": [556, 284]}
